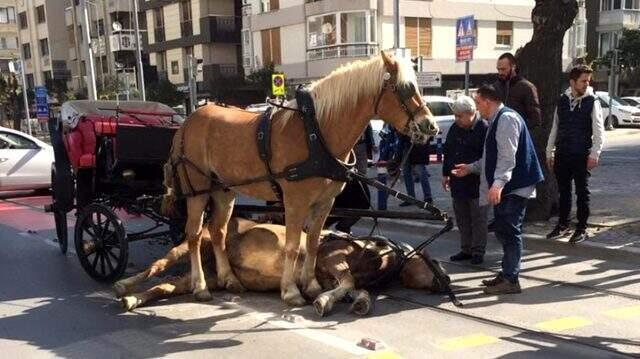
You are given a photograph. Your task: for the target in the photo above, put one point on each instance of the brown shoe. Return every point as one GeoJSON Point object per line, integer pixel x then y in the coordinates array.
{"type": "Point", "coordinates": [504, 287]}
{"type": "Point", "coordinates": [492, 282]}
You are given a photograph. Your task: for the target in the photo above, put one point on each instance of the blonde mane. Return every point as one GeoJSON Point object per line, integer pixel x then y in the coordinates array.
{"type": "Point", "coordinates": [347, 85]}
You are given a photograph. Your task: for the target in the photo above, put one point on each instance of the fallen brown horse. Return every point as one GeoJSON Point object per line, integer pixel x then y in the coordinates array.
{"type": "Point", "coordinates": [257, 253]}
{"type": "Point", "coordinates": [218, 145]}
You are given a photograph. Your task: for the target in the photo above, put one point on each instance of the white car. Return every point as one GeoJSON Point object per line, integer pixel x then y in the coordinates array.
{"type": "Point", "coordinates": [622, 113]}
{"type": "Point", "coordinates": [257, 107]}
{"type": "Point", "coordinates": [632, 100]}
{"type": "Point", "coordinates": [25, 161]}
{"type": "Point", "coordinates": [441, 108]}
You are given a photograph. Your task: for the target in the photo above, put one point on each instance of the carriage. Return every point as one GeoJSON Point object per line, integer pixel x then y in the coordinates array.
{"type": "Point", "coordinates": [108, 160]}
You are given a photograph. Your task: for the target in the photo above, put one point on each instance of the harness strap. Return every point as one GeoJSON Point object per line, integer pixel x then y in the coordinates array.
{"type": "Point", "coordinates": [263, 137]}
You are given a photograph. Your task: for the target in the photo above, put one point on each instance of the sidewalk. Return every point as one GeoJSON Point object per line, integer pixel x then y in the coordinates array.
{"type": "Point", "coordinates": [614, 223]}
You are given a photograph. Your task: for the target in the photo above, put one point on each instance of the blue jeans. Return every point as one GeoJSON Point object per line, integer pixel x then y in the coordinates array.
{"type": "Point", "coordinates": [508, 217]}
{"type": "Point", "coordinates": [424, 180]}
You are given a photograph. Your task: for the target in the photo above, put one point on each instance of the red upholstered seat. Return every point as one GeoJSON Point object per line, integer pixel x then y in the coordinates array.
{"type": "Point", "coordinates": [106, 127]}
{"type": "Point", "coordinates": [81, 142]}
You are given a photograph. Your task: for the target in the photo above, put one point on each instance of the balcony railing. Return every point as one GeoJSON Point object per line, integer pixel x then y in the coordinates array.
{"type": "Point", "coordinates": [621, 18]}
{"type": "Point", "coordinates": [339, 51]}
{"type": "Point", "coordinates": [224, 29]}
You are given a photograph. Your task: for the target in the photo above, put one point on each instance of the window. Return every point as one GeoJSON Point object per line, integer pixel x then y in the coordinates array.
{"type": "Point", "coordinates": [353, 27]}
{"type": "Point", "coordinates": [617, 4]}
{"type": "Point", "coordinates": [30, 82]}
{"type": "Point", "coordinates": [44, 47]}
{"type": "Point", "coordinates": [269, 5]}
{"type": "Point", "coordinates": [16, 142]}
{"type": "Point", "coordinates": [504, 33]}
{"type": "Point", "coordinates": [271, 46]}
{"type": "Point", "coordinates": [8, 43]}
{"type": "Point", "coordinates": [158, 24]}
{"type": "Point", "coordinates": [26, 51]}
{"type": "Point", "coordinates": [22, 17]}
{"type": "Point", "coordinates": [185, 18]}
{"type": "Point", "coordinates": [100, 27]}
{"type": "Point", "coordinates": [632, 4]}
{"type": "Point", "coordinates": [175, 68]}
{"type": "Point", "coordinates": [71, 37]}
{"type": "Point", "coordinates": [418, 36]}
{"type": "Point", "coordinates": [40, 14]}
{"type": "Point", "coordinates": [48, 78]}
{"type": "Point", "coordinates": [161, 61]}
{"type": "Point", "coordinates": [7, 15]}
{"type": "Point", "coordinates": [440, 108]}
{"type": "Point", "coordinates": [322, 31]}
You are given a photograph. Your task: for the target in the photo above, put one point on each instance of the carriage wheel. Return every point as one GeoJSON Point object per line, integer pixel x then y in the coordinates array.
{"type": "Point", "coordinates": [59, 215]}
{"type": "Point", "coordinates": [101, 243]}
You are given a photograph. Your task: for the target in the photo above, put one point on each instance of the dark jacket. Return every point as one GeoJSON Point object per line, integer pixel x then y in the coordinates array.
{"type": "Point", "coordinates": [464, 146]}
{"type": "Point", "coordinates": [527, 171]}
{"type": "Point", "coordinates": [419, 153]}
{"type": "Point", "coordinates": [521, 95]}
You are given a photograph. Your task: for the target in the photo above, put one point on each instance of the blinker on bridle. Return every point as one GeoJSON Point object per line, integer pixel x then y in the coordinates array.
{"type": "Point", "coordinates": [404, 93]}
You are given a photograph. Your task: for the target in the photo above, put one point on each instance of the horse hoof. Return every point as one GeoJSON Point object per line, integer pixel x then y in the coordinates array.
{"type": "Point", "coordinates": [361, 305]}
{"type": "Point", "coordinates": [120, 289]}
{"type": "Point", "coordinates": [202, 296]}
{"type": "Point", "coordinates": [130, 302]}
{"type": "Point", "coordinates": [234, 286]}
{"type": "Point", "coordinates": [313, 290]}
{"type": "Point", "coordinates": [322, 305]}
{"type": "Point", "coordinates": [293, 299]}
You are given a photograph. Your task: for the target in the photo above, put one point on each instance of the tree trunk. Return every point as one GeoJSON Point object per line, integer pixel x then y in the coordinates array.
{"type": "Point", "coordinates": [540, 61]}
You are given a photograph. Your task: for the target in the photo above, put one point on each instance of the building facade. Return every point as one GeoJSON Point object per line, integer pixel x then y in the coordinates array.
{"type": "Point", "coordinates": [207, 30]}
{"type": "Point", "coordinates": [40, 28]}
{"type": "Point", "coordinates": [8, 34]}
{"type": "Point", "coordinates": [306, 39]}
{"type": "Point", "coordinates": [613, 18]}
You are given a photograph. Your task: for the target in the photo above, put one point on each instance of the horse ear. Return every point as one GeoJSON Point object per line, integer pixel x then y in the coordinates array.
{"type": "Point", "coordinates": [389, 62]}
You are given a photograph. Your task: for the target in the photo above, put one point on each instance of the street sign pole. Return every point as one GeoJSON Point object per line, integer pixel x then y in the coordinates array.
{"type": "Point", "coordinates": [87, 43]}
{"type": "Point", "coordinates": [466, 78]}
{"type": "Point", "coordinates": [192, 84]}
{"type": "Point", "coordinates": [143, 92]}
{"type": "Point", "coordinates": [20, 68]}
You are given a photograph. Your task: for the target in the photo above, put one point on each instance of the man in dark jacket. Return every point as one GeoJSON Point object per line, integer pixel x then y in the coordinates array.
{"type": "Point", "coordinates": [573, 149]}
{"type": "Point", "coordinates": [516, 92]}
{"type": "Point", "coordinates": [464, 144]}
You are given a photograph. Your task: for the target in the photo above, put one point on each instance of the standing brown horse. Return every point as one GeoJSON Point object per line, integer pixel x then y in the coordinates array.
{"type": "Point", "coordinates": [220, 143]}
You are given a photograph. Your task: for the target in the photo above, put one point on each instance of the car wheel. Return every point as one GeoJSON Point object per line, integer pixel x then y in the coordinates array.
{"type": "Point", "coordinates": [614, 122]}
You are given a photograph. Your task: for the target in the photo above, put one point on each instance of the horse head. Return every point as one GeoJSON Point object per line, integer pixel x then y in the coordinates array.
{"type": "Point", "coordinates": [416, 274]}
{"type": "Point", "coordinates": [400, 104]}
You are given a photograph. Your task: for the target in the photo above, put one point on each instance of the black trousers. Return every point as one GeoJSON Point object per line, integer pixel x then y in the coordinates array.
{"type": "Point", "coordinates": [355, 195]}
{"type": "Point", "coordinates": [572, 169]}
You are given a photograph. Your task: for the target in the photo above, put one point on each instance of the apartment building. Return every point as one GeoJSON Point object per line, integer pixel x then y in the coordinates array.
{"type": "Point", "coordinates": [614, 16]}
{"type": "Point", "coordinates": [112, 34]}
{"type": "Point", "coordinates": [40, 32]}
{"type": "Point", "coordinates": [208, 30]}
{"type": "Point", "coordinates": [8, 34]}
{"type": "Point", "coordinates": [306, 39]}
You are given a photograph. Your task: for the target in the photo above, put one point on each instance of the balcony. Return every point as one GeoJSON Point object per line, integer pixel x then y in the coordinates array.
{"type": "Point", "coordinates": [616, 20]}
{"type": "Point", "coordinates": [223, 29]}
{"type": "Point", "coordinates": [342, 51]}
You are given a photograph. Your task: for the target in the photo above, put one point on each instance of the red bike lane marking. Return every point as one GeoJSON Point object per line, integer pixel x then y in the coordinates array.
{"type": "Point", "coordinates": [27, 216]}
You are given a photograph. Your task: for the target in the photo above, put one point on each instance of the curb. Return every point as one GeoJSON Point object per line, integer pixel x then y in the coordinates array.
{"type": "Point", "coordinates": [537, 240]}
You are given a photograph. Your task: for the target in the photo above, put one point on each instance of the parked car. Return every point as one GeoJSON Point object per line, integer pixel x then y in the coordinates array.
{"type": "Point", "coordinates": [257, 107]}
{"type": "Point", "coordinates": [25, 161]}
{"type": "Point", "coordinates": [622, 113]}
{"type": "Point", "coordinates": [632, 100]}
{"type": "Point", "coordinates": [441, 108]}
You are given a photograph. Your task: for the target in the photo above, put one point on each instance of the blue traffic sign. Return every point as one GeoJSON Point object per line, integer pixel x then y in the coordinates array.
{"type": "Point", "coordinates": [42, 105]}
{"type": "Point", "coordinates": [465, 38]}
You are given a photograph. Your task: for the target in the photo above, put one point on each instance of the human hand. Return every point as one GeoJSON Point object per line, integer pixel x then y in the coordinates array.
{"type": "Point", "coordinates": [494, 195]}
{"type": "Point", "coordinates": [592, 163]}
{"type": "Point", "coordinates": [460, 170]}
{"type": "Point", "coordinates": [445, 183]}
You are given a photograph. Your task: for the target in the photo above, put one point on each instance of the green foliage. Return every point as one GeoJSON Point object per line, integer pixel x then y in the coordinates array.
{"type": "Point", "coordinates": [262, 78]}
{"type": "Point", "coordinates": [10, 97]}
{"type": "Point", "coordinates": [165, 92]}
{"type": "Point", "coordinates": [629, 46]}
{"type": "Point", "coordinates": [110, 87]}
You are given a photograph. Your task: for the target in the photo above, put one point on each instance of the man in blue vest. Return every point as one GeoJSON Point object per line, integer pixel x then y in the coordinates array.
{"type": "Point", "coordinates": [509, 171]}
{"type": "Point", "coordinates": [573, 150]}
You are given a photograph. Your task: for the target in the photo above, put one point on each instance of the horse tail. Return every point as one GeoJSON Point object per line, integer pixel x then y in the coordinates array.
{"type": "Point", "coordinates": [171, 176]}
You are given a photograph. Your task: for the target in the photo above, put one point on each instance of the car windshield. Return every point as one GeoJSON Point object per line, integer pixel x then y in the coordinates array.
{"type": "Point", "coordinates": [632, 102]}
{"type": "Point", "coordinates": [440, 108]}
{"type": "Point", "coordinates": [620, 102]}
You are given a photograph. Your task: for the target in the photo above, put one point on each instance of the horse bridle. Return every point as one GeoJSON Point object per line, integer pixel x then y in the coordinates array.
{"type": "Point", "coordinates": [403, 93]}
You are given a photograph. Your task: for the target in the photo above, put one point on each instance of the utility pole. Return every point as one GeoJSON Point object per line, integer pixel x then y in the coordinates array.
{"type": "Point", "coordinates": [106, 32]}
{"type": "Point", "coordinates": [396, 24]}
{"type": "Point", "coordinates": [89, 62]}
{"type": "Point", "coordinates": [613, 71]}
{"type": "Point", "coordinates": [74, 20]}
{"type": "Point", "coordinates": [143, 93]}
{"type": "Point", "coordinates": [13, 68]}
{"type": "Point", "coordinates": [192, 71]}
